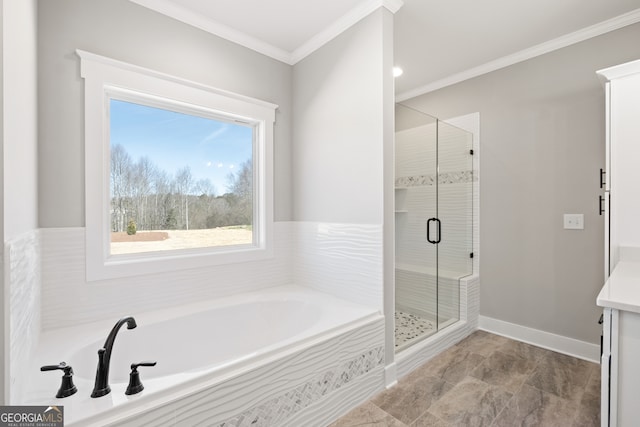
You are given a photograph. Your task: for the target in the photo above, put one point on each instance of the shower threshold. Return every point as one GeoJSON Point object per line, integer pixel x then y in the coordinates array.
{"type": "Point", "coordinates": [411, 328]}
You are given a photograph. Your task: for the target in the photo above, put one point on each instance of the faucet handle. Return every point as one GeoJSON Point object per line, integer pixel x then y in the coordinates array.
{"type": "Point", "coordinates": [62, 366]}
{"type": "Point", "coordinates": [67, 388]}
{"type": "Point", "coordinates": [135, 385]}
{"type": "Point", "coordinates": [134, 366]}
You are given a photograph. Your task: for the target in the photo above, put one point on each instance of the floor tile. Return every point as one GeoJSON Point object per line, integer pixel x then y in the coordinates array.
{"type": "Point", "coordinates": [593, 384]}
{"type": "Point", "coordinates": [589, 411]}
{"type": "Point", "coordinates": [488, 380]}
{"type": "Point", "coordinates": [368, 415]}
{"type": "Point", "coordinates": [505, 370]}
{"type": "Point", "coordinates": [429, 420]}
{"type": "Point", "coordinates": [521, 349]}
{"type": "Point", "coordinates": [562, 375]}
{"type": "Point", "coordinates": [482, 343]}
{"type": "Point", "coordinates": [411, 397]}
{"type": "Point", "coordinates": [533, 407]}
{"type": "Point", "coordinates": [471, 403]}
{"type": "Point", "coordinates": [452, 365]}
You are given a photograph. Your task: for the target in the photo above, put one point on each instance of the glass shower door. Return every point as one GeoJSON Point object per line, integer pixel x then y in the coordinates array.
{"type": "Point", "coordinates": [434, 223]}
{"type": "Point", "coordinates": [416, 207]}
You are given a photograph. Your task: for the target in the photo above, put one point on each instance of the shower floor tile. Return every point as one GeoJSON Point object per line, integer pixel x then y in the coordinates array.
{"type": "Point", "coordinates": [410, 327]}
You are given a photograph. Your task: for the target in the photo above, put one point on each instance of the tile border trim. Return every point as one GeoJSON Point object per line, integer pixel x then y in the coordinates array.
{"type": "Point", "coordinates": [429, 180]}
{"type": "Point", "coordinates": [278, 409]}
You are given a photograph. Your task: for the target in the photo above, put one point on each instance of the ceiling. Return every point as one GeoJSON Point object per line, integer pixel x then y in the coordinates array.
{"type": "Point", "coordinates": [436, 42]}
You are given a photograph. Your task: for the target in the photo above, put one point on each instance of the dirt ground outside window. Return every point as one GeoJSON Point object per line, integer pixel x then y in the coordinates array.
{"type": "Point", "coordinates": [165, 240]}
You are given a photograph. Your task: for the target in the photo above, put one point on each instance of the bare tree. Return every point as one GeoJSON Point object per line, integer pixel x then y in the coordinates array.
{"type": "Point", "coordinates": [120, 172]}
{"type": "Point", "coordinates": [241, 186]}
{"type": "Point", "coordinates": [148, 195]}
{"type": "Point", "coordinates": [184, 186]}
{"type": "Point", "coordinates": [204, 187]}
{"type": "Point", "coordinates": [142, 181]}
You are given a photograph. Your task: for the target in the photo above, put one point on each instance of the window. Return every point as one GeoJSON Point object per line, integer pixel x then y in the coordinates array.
{"type": "Point", "coordinates": [178, 175]}
{"type": "Point", "coordinates": [178, 180]}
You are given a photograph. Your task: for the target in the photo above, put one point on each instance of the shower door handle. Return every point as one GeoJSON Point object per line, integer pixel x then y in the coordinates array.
{"type": "Point", "coordinates": [429, 231]}
{"type": "Point", "coordinates": [438, 230]}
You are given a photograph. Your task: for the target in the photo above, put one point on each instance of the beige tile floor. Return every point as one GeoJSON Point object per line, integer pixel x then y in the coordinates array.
{"type": "Point", "coordinates": [488, 380]}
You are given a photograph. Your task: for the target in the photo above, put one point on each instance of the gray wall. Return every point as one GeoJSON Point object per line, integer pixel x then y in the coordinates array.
{"type": "Point", "coordinates": [131, 33]}
{"type": "Point", "coordinates": [542, 125]}
{"type": "Point", "coordinates": [20, 118]}
{"type": "Point", "coordinates": [338, 127]}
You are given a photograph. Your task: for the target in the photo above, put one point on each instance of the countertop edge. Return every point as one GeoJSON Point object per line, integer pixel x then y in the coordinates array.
{"type": "Point", "coordinates": [624, 283]}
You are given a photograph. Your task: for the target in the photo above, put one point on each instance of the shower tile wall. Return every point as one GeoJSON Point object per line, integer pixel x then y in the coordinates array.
{"type": "Point", "coordinates": [415, 177]}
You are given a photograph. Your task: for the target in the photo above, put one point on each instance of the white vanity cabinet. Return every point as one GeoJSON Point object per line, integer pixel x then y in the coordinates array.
{"type": "Point", "coordinates": [621, 179]}
{"type": "Point", "coordinates": [620, 362]}
{"type": "Point", "coordinates": [620, 296]}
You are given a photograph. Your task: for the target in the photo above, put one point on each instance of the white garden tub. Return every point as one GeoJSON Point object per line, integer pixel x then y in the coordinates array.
{"type": "Point", "coordinates": [195, 346]}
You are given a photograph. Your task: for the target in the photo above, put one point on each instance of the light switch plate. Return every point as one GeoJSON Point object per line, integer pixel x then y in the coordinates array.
{"type": "Point", "coordinates": [574, 221]}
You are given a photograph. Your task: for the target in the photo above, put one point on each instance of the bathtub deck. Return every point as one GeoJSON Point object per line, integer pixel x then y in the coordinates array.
{"type": "Point", "coordinates": [219, 390]}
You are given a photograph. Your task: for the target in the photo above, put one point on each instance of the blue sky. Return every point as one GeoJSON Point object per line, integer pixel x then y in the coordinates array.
{"type": "Point", "coordinates": [171, 140]}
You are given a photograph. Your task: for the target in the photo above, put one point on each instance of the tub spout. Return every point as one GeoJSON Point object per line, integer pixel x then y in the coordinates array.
{"type": "Point", "coordinates": [101, 386]}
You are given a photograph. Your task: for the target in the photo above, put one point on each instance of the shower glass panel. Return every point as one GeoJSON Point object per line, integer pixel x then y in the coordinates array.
{"type": "Point", "coordinates": [455, 213]}
{"type": "Point", "coordinates": [433, 203]}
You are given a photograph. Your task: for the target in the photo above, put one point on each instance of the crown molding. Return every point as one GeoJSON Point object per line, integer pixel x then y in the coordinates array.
{"type": "Point", "coordinates": [169, 8]}
{"type": "Point", "coordinates": [362, 9]}
{"type": "Point", "coordinates": [595, 30]}
{"type": "Point", "coordinates": [392, 5]}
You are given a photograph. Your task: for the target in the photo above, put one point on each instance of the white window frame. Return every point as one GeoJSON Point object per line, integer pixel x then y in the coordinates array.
{"type": "Point", "coordinates": [106, 78]}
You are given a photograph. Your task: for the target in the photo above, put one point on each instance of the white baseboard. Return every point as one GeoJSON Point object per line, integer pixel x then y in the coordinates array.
{"type": "Point", "coordinates": [557, 343]}
{"type": "Point", "coordinates": [391, 375]}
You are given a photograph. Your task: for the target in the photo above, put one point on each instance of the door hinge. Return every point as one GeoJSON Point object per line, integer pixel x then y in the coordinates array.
{"type": "Point", "coordinates": [471, 255]}
{"type": "Point", "coordinates": [471, 152]}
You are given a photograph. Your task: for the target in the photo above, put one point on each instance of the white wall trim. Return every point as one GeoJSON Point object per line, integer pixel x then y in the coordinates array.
{"type": "Point", "coordinates": [133, 68]}
{"type": "Point", "coordinates": [391, 375]}
{"type": "Point", "coordinates": [173, 10]}
{"type": "Point", "coordinates": [523, 55]}
{"type": "Point", "coordinates": [557, 343]}
{"type": "Point", "coordinates": [106, 78]}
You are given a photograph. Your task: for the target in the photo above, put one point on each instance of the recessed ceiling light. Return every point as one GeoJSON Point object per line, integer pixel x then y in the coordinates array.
{"type": "Point", "coordinates": [397, 71]}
